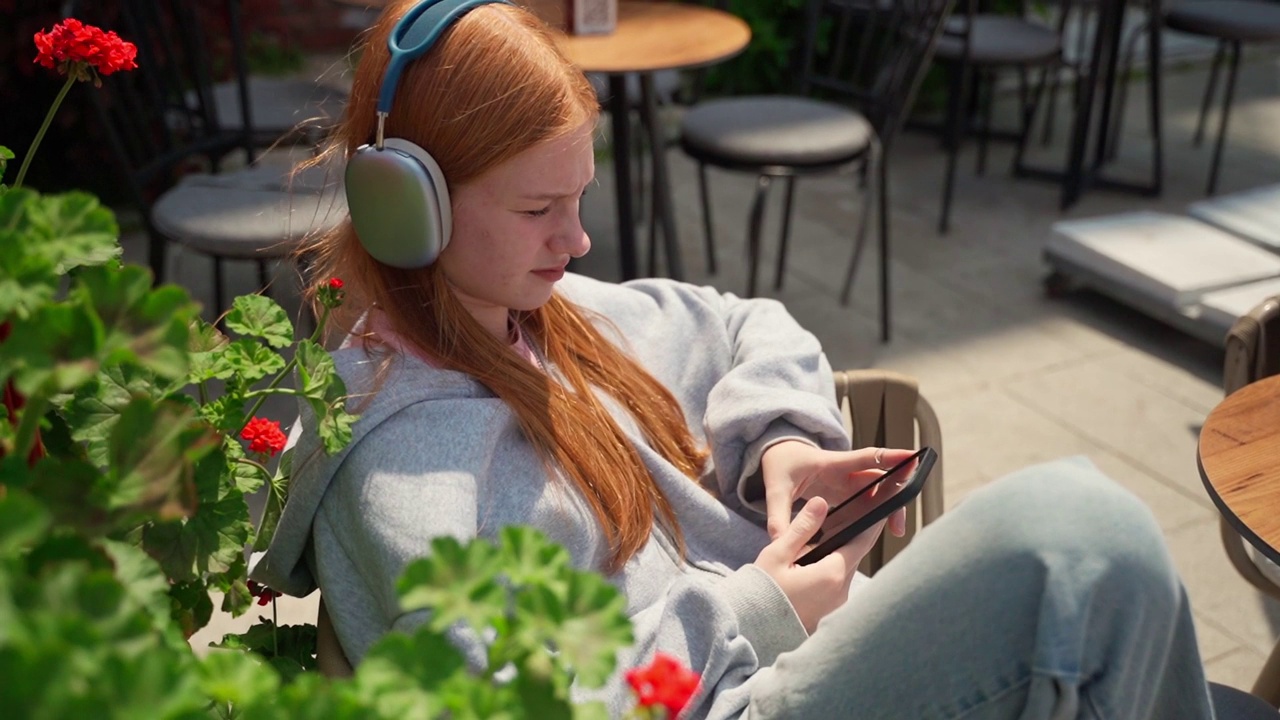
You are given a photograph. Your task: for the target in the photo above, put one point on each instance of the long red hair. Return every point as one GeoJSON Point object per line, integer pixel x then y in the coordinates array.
{"type": "Point", "coordinates": [493, 86]}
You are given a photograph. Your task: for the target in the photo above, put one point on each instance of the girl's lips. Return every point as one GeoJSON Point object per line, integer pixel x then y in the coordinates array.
{"type": "Point", "coordinates": [552, 274]}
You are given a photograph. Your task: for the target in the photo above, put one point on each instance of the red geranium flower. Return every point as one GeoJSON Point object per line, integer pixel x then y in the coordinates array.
{"type": "Point", "coordinates": [664, 682]}
{"type": "Point", "coordinates": [264, 436]}
{"type": "Point", "coordinates": [71, 47]}
{"type": "Point", "coordinates": [331, 293]}
{"type": "Point", "coordinates": [264, 594]}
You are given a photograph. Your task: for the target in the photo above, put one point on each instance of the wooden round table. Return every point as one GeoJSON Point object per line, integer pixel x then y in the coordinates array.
{"type": "Point", "coordinates": [1239, 458]}
{"type": "Point", "coordinates": [649, 37]}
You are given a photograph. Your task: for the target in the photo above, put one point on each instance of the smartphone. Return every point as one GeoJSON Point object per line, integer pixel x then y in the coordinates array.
{"type": "Point", "coordinates": [873, 503]}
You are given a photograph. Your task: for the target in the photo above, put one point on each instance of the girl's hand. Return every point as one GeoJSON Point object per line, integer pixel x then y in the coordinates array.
{"type": "Point", "coordinates": [817, 589]}
{"type": "Point", "coordinates": [794, 469]}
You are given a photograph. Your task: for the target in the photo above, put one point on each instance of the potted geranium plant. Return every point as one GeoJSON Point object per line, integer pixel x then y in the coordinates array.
{"type": "Point", "coordinates": [131, 435]}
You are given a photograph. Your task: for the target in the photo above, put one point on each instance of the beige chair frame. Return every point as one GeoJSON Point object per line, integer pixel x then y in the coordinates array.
{"type": "Point", "coordinates": [881, 408]}
{"type": "Point", "coordinates": [1253, 353]}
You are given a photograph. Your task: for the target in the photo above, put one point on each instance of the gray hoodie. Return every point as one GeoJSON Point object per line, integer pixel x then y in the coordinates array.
{"type": "Point", "coordinates": [435, 453]}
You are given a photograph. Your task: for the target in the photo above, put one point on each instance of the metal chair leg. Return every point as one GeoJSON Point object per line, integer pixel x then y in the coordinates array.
{"type": "Point", "coordinates": [885, 316]}
{"type": "Point", "coordinates": [1226, 117]}
{"type": "Point", "coordinates": [786, 232]}
{"type": "Point", "coordinates": [876, 162]}
{"type": "Point", "coordinates": [1209, 89]}
{"type": "Point", "coordinates": [1267, 686]}
{"type": "Point", "coordinates": [156, 256]}
{"type": "Point", "coordinates": [218, 307]}
{"type": "Point", "coordinates": [986, 96]}
{"type": "Point", "coordinates": [956, 115]}
{"type": "Point", "coordinates": [706, 218]}
{"type": "Point", "coordinates": [753, 235]}
{"type": "Point", "coordinates": [264, 277]}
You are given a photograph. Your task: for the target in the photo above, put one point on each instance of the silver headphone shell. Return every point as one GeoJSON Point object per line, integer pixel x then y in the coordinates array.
{"type": "Point", "coordinates": [399, 203]}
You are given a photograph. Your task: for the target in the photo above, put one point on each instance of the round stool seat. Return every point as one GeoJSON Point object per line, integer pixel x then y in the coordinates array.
{"type": "Point", "coordinates": [1232, 704]}
{"type": "Point", "coordinates": [1000, 40]}
{"type": "Point", "coordinates": [1236, 20]}
{"type": "Point", "coordinates": [774, 130]}
{"type": "Point", "coordinates": [252, 214]}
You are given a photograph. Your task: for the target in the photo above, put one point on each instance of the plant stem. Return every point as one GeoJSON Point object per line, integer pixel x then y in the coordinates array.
{"type": "Point", "coordinates": [44, 127]}
{"type": "Point", "coordinates": [25, 437]}
{"type": "Point", "coordinates": [259, 466]}
{"type": "Point", "coordinates": [293, 362]}
{"type": "Point", "coordinates": [204, 394]}
{"type": "Point", "coordinates": [272, 391]}
{"type": "Point", "coordinates": [275, 630]}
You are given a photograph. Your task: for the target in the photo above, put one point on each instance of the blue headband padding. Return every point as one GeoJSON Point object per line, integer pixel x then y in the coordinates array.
{"type": "Point", "coordinates": [416, 32]}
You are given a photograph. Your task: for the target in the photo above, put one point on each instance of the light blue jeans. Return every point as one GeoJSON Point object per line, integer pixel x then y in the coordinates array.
{"type": "Point", "coordinates": [1046, 595]}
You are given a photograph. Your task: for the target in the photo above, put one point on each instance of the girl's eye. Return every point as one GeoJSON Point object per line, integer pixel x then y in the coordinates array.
{"type": "Point", "coordinates": [538, 213]}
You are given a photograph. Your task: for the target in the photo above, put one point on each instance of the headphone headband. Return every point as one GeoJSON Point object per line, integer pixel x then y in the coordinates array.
{"type": "Point", "coordinates": [415, 33]}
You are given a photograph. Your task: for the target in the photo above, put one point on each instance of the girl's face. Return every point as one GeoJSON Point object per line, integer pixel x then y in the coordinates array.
{"type": "Point", "coordinates": [516, 227]}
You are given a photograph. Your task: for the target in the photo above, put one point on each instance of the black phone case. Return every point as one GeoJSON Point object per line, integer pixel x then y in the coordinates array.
{"type": "Point", "coordinates": [840, 538]}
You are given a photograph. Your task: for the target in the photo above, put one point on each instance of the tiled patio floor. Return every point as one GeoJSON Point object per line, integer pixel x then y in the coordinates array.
{"type": "Point", "coordinates": [1016, 377]}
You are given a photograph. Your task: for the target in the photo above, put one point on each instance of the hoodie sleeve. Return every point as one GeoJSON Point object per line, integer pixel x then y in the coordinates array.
{"type": "Point", "coordinates": [401, 487]}
{"type": "Point", "coordinates": [743, 369]}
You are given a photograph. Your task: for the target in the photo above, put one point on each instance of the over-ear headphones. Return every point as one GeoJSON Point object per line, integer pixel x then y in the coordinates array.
{"type": "Point", "coordinates": [396, 194]}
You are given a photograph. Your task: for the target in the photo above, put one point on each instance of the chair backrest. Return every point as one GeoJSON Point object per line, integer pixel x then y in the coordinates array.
{"type": "Point", "coordinates": [885, 409]}
{"type": "Point", "coordinates": [161, 119]}
{"type": "Point", "coordinates": [330, 658]}
{"type": "Point", "coordinates": [872, 54]}
{"type": "Point", "coordinates": [1253, 346]}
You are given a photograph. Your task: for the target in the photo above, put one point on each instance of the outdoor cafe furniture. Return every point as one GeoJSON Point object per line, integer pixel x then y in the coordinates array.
{"type": "Point", "coordinates": [651, 37]}
{"type": "Point", "coordinates": [1239, 460]}
{"type": "Point", "coordinates": [1232, 23]}
{"type": "Point", "coordinates": [786, 137]}
{"type": "Point", "coordinates": [162, 120]}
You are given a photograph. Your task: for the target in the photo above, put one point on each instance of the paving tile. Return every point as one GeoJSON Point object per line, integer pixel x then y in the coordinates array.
{"type": "Point", "coordinates": [1146, 427]}
{"type": "Point", "coordinates": [1218, 592]}
{"type": "Point", "coordinates": [1237, 669]}
{"type": "Point", "coordinates": [289, 611]}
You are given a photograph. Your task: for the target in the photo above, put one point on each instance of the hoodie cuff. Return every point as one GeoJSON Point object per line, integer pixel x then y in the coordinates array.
{"type": "Point", "coordinates": [751, 485]}
{"type": "Point", "coordinates": [766, 617]}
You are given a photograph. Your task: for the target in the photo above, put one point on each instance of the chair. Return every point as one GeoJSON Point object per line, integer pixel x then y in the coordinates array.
{"type": "Point", "coordinates": [983, 43]}
{"type": "Point", "coordinates": [331, 659]}
{"type": "Point", "coordinates": [1253, 353]}
{"type": "Point", "coordinates": [885, 409]}
{"type": "Point", "coordinates": [164, 127]}
{"type": "Point", "coordinates": [868, 54]}
{"type": "Point", "coordinates": [1233, 23]}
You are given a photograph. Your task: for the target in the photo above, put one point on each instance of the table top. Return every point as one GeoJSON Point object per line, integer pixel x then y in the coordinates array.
{"type": "Point", "coordinates": [1239, 457]}
{"type": "Point", "coordinates": [653, 36]}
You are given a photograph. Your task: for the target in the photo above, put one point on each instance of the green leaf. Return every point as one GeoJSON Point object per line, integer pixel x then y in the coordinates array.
{"type": "Point", "coordinates": [23, 522]}
{"type": "Point", "coordinates": [149, 327]}
{"type": "Point", "coordinates": [246, 477]}
{"type": "Point", "coordinates": [325, 391]}
{"type": "Point", "coordinates": [248, 361]}
{"type": "Point", "coordinates": [144, 584]}
{"type": "Point", "coordinates": [277, 494]}
{"type": "Point", "coordinates": [234, 676]}
{"type": "Point", "coordinates": [594, 628]}
{"type": "Point", "coordinates": [231, 583]}
{"type": "Point", "coordinates": [96, 406]}
{"type": "Point", "coordinates": [204, 345]}
{"type": "Point", "coordinates": [152, 454]}
{"type": "Point", "coordinates": [190, 605]}
{"type": "Point", "coordinates": [457, 582]}
{"type": "Point", "coordinates": [212, 539]}
{"type": "Point", "coordinates": [259, 316]}
{"type": "Point", "coordinates": [401, 674]}
{"type": "Point", "coordinates": [77, 230]}
{"type": "Point", "coordinates": [53, 350]}
{"type": "Point", "coordinates": [335, 430]}
{"type": "Point", "coordinates": [532, 559]}
{"type": "Point", "coordinates": [225, 413]}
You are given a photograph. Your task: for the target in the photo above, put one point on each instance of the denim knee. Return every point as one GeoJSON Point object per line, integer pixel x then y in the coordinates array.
{"type": "Point", "coordinates": [1069, 507]}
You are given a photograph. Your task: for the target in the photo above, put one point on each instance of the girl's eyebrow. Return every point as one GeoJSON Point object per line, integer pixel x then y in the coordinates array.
{"type": "Point", "coordinates": [556, 195]}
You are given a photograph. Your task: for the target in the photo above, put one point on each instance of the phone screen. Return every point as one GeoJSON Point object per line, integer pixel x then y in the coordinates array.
{"type": "Point", "coordinates": [862, 503]}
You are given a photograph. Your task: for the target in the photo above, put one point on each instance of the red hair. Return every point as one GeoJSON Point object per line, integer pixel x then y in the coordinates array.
{"type": "Point", "coordinates": [493, 86]}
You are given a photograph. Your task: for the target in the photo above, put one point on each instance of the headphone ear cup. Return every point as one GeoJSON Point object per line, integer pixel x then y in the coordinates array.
{"type": "Point", "coordinates": [399, 203]}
